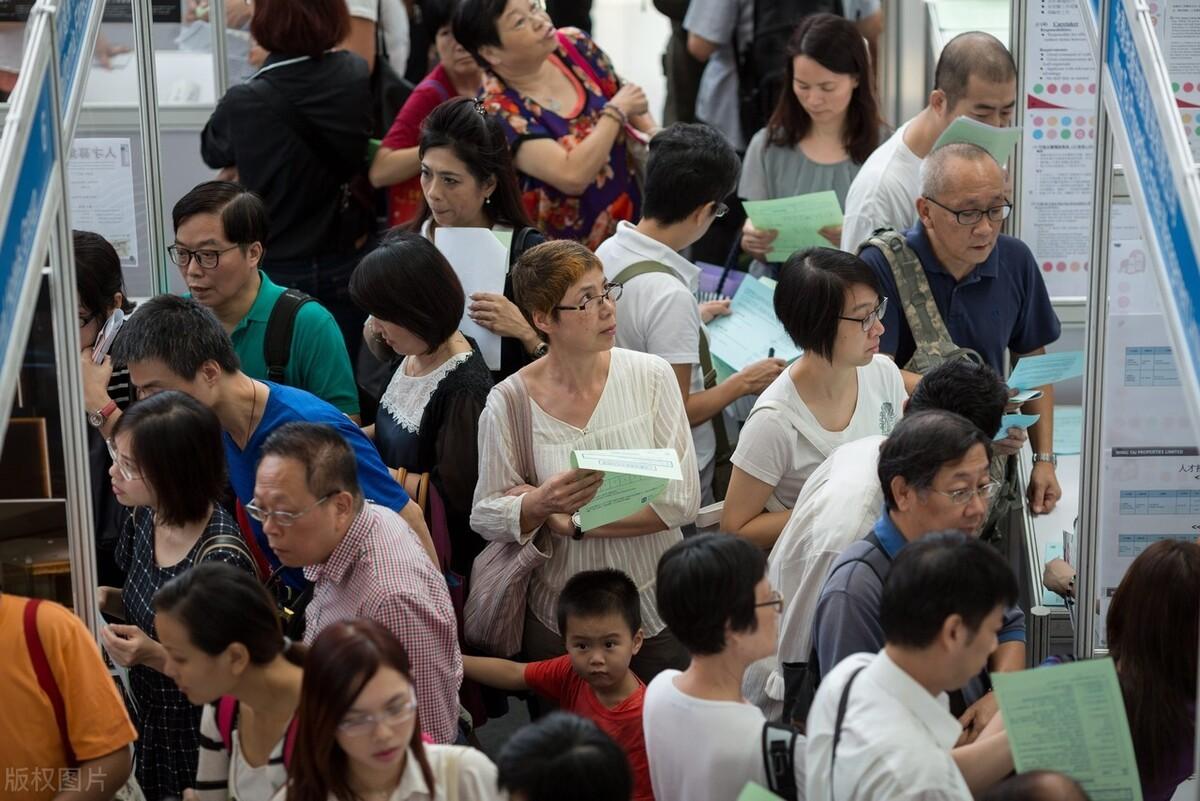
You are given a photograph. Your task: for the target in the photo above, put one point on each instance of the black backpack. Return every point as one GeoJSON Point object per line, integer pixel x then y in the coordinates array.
{"type": "Point", "coordinates": [277, 342]}
{"type": "Point", "coordinates": [761, 65]}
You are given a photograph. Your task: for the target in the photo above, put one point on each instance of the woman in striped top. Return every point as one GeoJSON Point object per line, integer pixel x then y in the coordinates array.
{"type": "Point", "coordinates": [584, 394]}
{"type": "Point", "coordinates": [225, 650]}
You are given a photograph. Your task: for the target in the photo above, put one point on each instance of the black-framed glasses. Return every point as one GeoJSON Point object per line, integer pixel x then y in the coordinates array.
{"type": "Point", "coordinates": [973, 216]}
{"type": "Point", "coordinates": [284, 519]}
{"type": "Point", "coordinates": [720, 210]}
{"type": "Point", "coordinates": [963, 496]}
{"type": "Point", "coordinates": [776, 601]}
{"type": "Point", "coordinates": [612, 292]}
{"type": "Point", "coordinates": [121, 463]}
{"type": "Point", "coordinates": [208, 259]}
{"type": "Point", "coordinates": [873, 316]}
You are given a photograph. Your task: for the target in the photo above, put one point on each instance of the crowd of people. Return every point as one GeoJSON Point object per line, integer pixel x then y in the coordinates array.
{"type": "Point", "coordinates": [333, 540]}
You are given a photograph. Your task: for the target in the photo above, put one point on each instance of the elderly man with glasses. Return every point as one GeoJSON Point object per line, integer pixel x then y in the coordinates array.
{"type": "Point", "coordinates": [362, 559]}
{"type": "Point", "coordinates": [934, 472]}
{"type": "Point", "coordinates": [960, 284]}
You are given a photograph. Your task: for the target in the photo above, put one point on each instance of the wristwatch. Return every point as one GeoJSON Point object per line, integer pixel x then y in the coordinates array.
{"type": "Point", "coordinates": [576, 521]}
{"type": "Point", "coordinates": [96, 419]}
{"type": "Point", "coordinates": [1046, 457]}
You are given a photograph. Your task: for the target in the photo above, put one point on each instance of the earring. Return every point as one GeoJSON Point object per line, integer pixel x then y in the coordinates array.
{"type": "Point", "coordinates": [487, 201]}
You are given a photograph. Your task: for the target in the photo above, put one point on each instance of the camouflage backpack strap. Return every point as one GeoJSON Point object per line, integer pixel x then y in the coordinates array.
{"type": "Point", "coordinates": [934, 344]}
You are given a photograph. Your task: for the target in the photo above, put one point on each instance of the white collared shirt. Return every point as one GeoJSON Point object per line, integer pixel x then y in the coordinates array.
{"type": "Point", "coordinates": [458, 773]}
{"type": "Point", "coordinates": [658, 313]}
{"type": "Point", "coordinates": [839, 504]}
{"type": "Point", "coordinates": [895, 742]}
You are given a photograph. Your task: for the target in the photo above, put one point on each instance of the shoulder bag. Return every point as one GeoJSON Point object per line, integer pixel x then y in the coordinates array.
{"type": "Point", "coordinates": [494, 616]}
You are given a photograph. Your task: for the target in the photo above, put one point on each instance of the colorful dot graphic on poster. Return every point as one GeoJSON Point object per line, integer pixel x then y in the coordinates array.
{"type": "Point", "coordinates": [1063, 128]}
{"type": "Point", "coordinates": [1062, 266]}
{"type": "Point", "coordinates": [1066, 88]}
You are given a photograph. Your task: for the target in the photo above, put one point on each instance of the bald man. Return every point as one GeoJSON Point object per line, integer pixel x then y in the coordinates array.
{"type": "Point", "coordinates": [975, 77]}
{"type": "Point", "coordinates": [984, 287]}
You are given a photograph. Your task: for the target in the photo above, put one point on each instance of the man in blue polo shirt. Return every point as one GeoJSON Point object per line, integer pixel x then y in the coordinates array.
{"type": "Point", "coordinates": [934, 473]}
{"type": "Point", "coordinates": [177, 343]}
{"type": "Point", "coordinates": [987, 289]}
{"type": "Point", "coordinates": [220, 228]}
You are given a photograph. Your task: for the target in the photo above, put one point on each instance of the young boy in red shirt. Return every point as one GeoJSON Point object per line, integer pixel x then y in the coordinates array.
{"type": "Point", "coordinates": [600, 618]}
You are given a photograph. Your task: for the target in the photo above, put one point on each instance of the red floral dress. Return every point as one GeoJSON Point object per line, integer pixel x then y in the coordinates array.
{"type": "Point", "coordinates": [613, 195]}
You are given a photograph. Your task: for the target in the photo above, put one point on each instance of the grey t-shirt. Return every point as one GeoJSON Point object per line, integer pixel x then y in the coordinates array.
{"type": "Point", "coordinates": [717, 98]}
{"type": "Point", "coordinates": [770, 171]}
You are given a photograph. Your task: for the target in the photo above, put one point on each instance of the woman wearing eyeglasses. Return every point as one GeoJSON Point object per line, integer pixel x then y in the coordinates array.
{"type": "Point", "coordinates": [169, 466]}
{"type": "Point", "coordinates": [360, 730]}
{"type": "Point", "coordinates": [567, 115]}
{"type": "Point", "coordinates": [839, 390]}
{"type": "Point", "coordinates": [583, 395]}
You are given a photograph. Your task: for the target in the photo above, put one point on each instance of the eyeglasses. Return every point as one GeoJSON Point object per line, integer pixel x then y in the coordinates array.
{"type": "Point", "coordinates": [393, 716]}
{"type": "Point", "coordinates": [776, 601]}
{"type": "Point", "coordinates": [873, 316]}
{"type": "Point", "coordinates": [121, 463]}
{"type": "Point", "coordinates": [720, 210]}
{"type": "Point", "coordinates": [283, 519]}
{"type": "Point", "coordinates": [536, 8]}
{"type": "Point", "coordinates": [973, 216]}
{"type": "Point", "coordinates": [208, 259]}
{"type": "Point", "coordinates": [612, 292]}
{"type": "Point", "coordinates": [963, 496]}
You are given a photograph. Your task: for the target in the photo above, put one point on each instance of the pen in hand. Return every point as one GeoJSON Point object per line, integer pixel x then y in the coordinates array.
{"type": "Point", "coordinates": [770, 353]}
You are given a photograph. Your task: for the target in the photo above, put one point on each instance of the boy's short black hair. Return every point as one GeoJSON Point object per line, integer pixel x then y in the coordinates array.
{"type": "Point", "coordinates": [593, 593]}
{"type": "Point", "coordinates": [811, 295]}
{"type": "Point", "coordinates": [179, 332]}
{"type": "Point", "coordinates": [961, 386]}
{"type": "Point", "coordinates": [705, 584]}
{"type": "Point", "coordinates": [941, 575]}
{"type": "Point", "coordinates": [690, 166]}
{"type": "Point", "coordinates": [564, 756]}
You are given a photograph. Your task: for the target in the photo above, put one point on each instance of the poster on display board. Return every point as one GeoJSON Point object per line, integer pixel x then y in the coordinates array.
{"type": "Point", "coordinates": [100, 173]}
{"type": "Point", "coordinates": [114, 10]}
{"type": "Point", "coordinates": [1177, 27]}
{"type": "Point", "coordinates": [1057, 152]}
{"type": "Point", "coordinates": [1150, 482]}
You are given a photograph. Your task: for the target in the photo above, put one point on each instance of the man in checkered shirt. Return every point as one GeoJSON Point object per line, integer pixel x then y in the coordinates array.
{"type": "Point", "coordinates": [362, 558]}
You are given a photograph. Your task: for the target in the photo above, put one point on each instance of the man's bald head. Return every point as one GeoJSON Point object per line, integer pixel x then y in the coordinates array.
{"type": "Point", "coordinates": [970, 54]}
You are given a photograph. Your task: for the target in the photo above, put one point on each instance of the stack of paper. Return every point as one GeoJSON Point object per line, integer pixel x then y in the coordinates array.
{"type": "Point", "coordinates": [632, 479]}
{"type": "Point", "coordinates": [798, 220]}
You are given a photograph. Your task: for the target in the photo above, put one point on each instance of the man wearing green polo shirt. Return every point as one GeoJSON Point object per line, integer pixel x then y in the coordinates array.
{"type": "Point", "coordinates": [220, 228]}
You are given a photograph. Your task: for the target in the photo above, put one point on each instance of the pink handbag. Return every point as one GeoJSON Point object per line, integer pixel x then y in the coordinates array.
{"type": "Point", "coordinates": [494, 616]}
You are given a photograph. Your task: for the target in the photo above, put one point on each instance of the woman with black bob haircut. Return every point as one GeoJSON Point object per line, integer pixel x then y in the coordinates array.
{"type": "Point", "coordinates": [429, 414]}
{"type": "Point", "coordinates": [563, 756]}
{"type": "Point", "coordinates": [825, 124]}
{"type": "Point", "coordinates": [225, 651]}
{"type": "Point", "coordinates": [169, 466]}
{"type": "Point", "coordinates": [467, 181]}
{"type": "Point", "coordinates": [101, 287]}
{"type": "Point", "coordinates": [840, 389]}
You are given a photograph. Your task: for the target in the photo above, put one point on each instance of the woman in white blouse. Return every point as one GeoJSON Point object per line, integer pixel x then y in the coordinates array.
{"type": "Point", "coordinates": [841, 389]}
{"type": "Point", "coordinates": [360, 732]}
{"type": "Point", "coordinates": [583, 395]}
{"type": "Point", "coordinates": [226, 650]}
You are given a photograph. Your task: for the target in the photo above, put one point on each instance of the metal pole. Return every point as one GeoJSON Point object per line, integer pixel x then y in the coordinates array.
{"type": "Point", "coordinates": [143, 35]}
{"type": "Point", "coordinates": [1092, 456]}
{"type": "Point", "coordinates": [216, 22]}
{"type": "Point", "coordinates": [64, 308]}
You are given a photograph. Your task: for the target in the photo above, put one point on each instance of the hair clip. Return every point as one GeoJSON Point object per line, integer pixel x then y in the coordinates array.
{"type": "Point", "coordinates": [479, 107]}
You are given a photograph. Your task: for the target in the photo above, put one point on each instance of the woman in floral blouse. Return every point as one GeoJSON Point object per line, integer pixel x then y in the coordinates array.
{"type": "Point", "coordinates": [567, 115]}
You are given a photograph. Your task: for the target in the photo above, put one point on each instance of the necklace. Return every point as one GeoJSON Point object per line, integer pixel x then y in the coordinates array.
{"type": "Point", "coordinates": [253, 407]}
